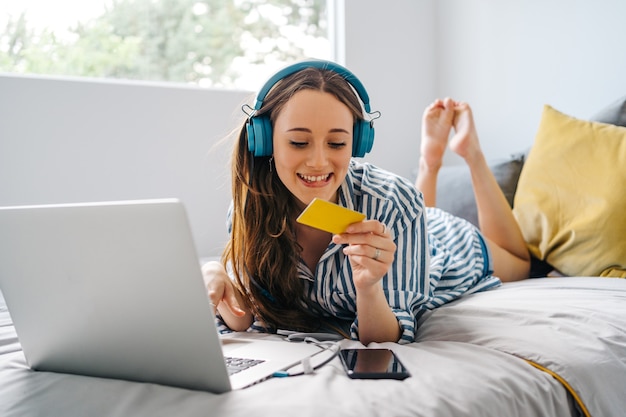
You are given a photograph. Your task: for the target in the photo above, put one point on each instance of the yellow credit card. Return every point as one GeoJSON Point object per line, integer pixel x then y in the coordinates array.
{"type": "Point", "coordinates": [328, 216]}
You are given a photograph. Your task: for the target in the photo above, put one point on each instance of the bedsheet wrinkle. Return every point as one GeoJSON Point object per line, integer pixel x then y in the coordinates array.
{"type": "Point", "coordinates": [574, 327]}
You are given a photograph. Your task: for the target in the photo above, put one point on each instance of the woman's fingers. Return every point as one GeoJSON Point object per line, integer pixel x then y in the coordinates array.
{"type": "Point", "coordinates": [220, 288]}
{"type": "Point", "coordinates": [370, 239]}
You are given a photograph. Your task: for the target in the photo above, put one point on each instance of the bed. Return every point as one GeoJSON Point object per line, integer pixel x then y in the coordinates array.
{"type": "Point", "coordinates": [540, 347]}
{"type": "Point", "coordinates": [546, 346]}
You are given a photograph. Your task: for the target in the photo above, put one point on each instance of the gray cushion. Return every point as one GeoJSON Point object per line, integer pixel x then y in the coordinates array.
{"type": "Point", "coordinates": [454, 186]}
{"type": "Point", "coordinates": [614, 114]}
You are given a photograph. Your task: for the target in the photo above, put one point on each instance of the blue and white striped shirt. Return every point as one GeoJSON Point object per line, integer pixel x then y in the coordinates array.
{"type": "Point", "coordinates": [439, 257]}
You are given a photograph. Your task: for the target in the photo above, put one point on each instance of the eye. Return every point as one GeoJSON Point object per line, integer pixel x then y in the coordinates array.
{"type": "Point", "coordinates": [337, 145]}
{"type": "Point", "coordinates": [297, 144]}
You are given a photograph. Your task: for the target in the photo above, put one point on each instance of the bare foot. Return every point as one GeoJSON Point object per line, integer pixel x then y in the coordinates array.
{"type": "Point", "coordinates": [465, 140]}
{"type": "Point", "coordinates": [436, 125]}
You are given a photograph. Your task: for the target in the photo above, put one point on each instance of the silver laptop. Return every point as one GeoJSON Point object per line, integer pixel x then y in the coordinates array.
{"type": "Point", "coordinates": [115, 290]}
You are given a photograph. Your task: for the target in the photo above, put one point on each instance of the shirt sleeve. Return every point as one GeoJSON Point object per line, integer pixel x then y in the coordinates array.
{"type": "Point", "coordinates": [407, 285]}
{"type": "Point", "coordinates": [407, 321]}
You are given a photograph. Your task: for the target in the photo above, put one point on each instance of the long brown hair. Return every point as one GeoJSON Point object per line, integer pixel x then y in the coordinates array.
{"type": "Point", "coordinates": [263, 251]}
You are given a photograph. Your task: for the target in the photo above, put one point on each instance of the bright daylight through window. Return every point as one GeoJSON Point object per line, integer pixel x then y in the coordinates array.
{"type": "Point", "coordinates": [212, 43]}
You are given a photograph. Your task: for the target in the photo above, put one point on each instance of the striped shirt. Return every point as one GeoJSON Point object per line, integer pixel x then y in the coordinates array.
{"type": "Point", "coordinates": [439, 257]}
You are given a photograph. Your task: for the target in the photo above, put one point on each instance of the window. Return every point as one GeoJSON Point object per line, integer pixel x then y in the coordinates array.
{"type": "Point", "coordinates": [213, 43]}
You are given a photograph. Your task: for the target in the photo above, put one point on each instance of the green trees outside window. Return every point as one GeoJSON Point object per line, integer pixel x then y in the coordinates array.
{"type": "Point", "coordinates": [208, 43]}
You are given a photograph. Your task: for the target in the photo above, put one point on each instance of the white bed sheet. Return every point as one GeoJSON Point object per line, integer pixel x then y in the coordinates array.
{"type": "Point", "coordinates": [463, 364]}
{"type": "Point", "coordinates": [574, 327]}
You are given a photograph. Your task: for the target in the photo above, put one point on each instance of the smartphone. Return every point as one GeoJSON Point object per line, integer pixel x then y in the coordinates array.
{"type": "Point", "coordinates": [372, 364]}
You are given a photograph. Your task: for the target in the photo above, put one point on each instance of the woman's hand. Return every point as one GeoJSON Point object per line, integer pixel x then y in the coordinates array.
{"type": "Point", "coordinates": [225, 297]}
{"type": "Point", "coordinates": [370, 249]}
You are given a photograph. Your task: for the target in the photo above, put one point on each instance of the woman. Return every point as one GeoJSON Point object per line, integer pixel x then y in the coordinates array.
{"type": "Point", "coordinates": [378, 277]}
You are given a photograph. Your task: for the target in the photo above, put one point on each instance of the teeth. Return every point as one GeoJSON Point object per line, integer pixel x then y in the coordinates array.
{"type": "Point", "coordinates": [314, 178]}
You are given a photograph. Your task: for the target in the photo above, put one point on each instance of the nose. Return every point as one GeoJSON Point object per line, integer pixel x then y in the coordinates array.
{"type": "Point", "coordinates": [318, 156]}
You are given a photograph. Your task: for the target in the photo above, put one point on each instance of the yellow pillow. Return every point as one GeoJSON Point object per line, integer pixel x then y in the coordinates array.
{"type": "Point", "coordinates": [571, 196]}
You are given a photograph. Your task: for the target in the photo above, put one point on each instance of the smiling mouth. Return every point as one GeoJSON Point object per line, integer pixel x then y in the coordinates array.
{"type": "Point", "coordinates": [311, 179]}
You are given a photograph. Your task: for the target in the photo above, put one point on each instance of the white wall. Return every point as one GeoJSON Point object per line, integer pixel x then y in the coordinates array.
{"type": "Point", "coordinates": [64, 140]}
{"type": "Point", "coordinates": [386, 48]}
{"type": "Point", "coordinates": [68, 140]}
{"type": "Point", "coordinates": [506, 58]}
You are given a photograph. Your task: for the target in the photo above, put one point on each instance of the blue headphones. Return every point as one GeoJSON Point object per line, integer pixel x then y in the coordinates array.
{"type": "Point", "coordinates": [259, 128]}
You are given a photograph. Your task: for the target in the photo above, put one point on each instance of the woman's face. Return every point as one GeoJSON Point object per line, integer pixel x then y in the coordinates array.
{"type": "Point", "coordinates": [313, 145]}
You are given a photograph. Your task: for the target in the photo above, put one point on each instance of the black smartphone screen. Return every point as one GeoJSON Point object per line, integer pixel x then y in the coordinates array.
{"type": "Point", "coordinates": [372, 364]}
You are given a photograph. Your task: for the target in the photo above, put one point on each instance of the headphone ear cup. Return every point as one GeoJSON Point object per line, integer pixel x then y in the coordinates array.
{"type": "Point", "coordinates": [363, 138]}
{"type": "Point", "coordinates": [259, 130]}
{"type": "Point", "coordinates": [250, 135]}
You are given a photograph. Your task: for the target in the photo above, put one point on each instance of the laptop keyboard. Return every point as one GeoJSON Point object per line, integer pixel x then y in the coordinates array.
{"type": "Point", "coordinates": [235, 365]}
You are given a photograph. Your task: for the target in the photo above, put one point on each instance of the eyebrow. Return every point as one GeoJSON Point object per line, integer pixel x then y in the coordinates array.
{"type": "Point", "coordinates": [304, 129]}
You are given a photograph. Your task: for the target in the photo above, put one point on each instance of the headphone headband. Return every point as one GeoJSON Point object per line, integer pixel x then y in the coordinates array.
{"type": "Point", "coordinates": [324, 65]}
{"type": "Point", "coordinates": [259, 127]}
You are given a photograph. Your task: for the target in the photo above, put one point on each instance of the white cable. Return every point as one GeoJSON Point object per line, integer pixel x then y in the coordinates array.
{"type": "Point", "coordinates": [306, 362]}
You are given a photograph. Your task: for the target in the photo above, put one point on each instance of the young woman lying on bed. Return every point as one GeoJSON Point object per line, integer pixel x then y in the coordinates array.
{"type": "Point", "coordinates": [382, 273]}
